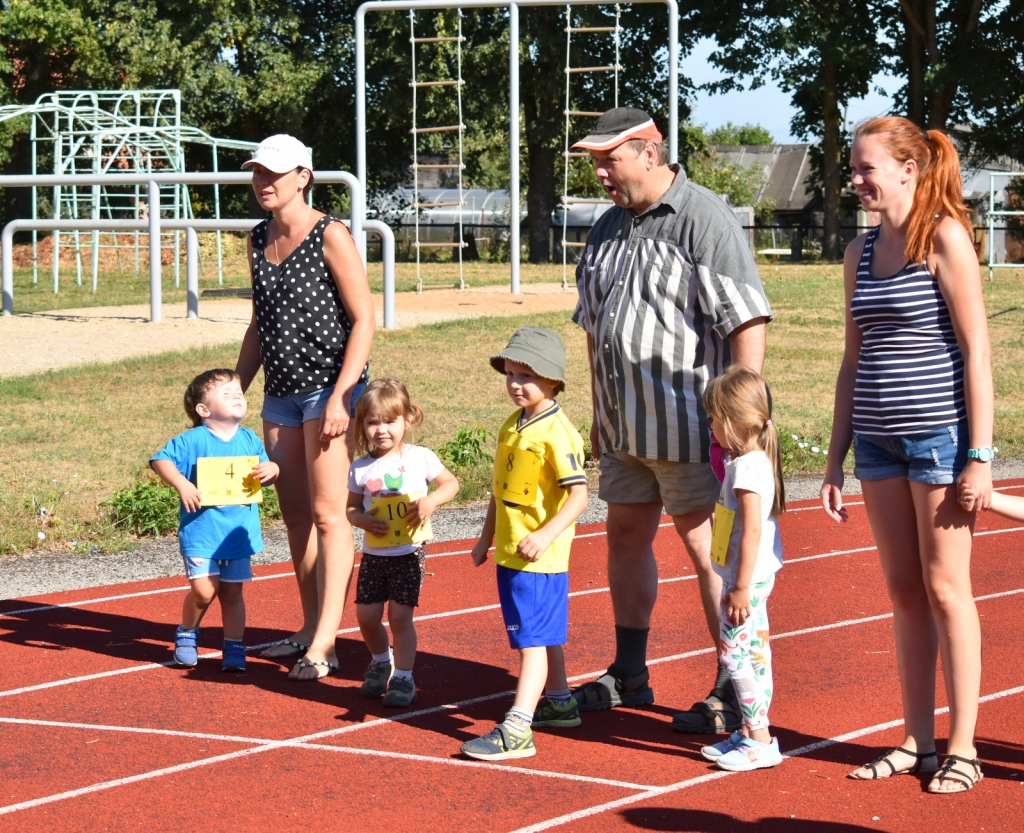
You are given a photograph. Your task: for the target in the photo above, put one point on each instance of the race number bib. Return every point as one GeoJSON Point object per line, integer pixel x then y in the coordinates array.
{"type": "Point", "coordinates": [724, 519]}
{"type": "Point", "coordinates": [516, 472]}
{"type": "Point", "coordinates": [227, 481]}
{"type": "Point", "coordinates": [393, 509]}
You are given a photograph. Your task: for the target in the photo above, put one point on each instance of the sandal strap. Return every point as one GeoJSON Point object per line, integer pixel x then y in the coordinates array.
{"type": "Point", "coordinates": [949, 772]}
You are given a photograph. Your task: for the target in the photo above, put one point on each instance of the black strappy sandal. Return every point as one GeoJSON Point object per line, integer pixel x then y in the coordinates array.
{"type": "Point", "coordinates": [919, 758]}
{"type": "Point", "coordinates": [949, 772]}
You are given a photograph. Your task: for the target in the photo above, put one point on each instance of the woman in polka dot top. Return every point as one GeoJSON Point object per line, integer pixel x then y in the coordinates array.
{"type": "Point", "coordinates": [311, 330]}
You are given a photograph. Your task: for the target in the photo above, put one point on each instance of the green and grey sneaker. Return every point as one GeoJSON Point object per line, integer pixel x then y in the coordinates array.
{"type": "Point", "coordinates": [549, 713]}
{"type": "Point", "coordinates": [375, 680]}
{"type": "Point", "coordinates": [500, 743]}
{"type": "Point", "coordinates": [401, 692]}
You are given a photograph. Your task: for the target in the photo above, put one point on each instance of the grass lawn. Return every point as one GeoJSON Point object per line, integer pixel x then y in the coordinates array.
{"type": "Point", "coordinates": [70, 438]}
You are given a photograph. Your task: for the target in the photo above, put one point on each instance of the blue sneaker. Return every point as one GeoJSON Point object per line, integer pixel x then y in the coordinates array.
{"type": "Point", "coordinates": [751, 754]}
{"type": "Point", "coordinates": [185, 642]}
{"type": "Point", "coordinates": [713, 753]}
{"type": "Point", "coordinates": [234, 656]}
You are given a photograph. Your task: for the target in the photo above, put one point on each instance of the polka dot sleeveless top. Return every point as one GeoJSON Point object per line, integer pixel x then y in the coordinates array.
{"type": "Point", "coordinates": [302, 323]}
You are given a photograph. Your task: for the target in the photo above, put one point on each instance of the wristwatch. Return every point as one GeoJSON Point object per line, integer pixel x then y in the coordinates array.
{"type": "Point", "coordinates": [983, 454]}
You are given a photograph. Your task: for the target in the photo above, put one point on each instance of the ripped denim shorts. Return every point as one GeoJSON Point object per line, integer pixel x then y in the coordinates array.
{"type": "Point", "coordinates": [935, 457]}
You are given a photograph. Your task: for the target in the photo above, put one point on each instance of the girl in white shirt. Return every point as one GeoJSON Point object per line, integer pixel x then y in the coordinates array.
{"type": "Point", "coordinates": [388, 499]}
{"type": "Point", "coordinates": [746, 552]}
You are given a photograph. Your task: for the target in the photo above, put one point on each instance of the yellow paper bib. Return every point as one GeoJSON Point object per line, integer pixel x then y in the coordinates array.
{"type": "Point", "coordinates": [724, 519]}
{"type": "Point", "coordinates": [393, 509]}
{"type": "Point", "coordinates": [227, 481]}
{"type": "Point", "coordinates": [516, 474]}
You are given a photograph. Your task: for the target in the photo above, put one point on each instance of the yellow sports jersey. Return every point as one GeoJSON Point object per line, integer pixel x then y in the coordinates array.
{"type": "Point", "coordinates": [535, 464]}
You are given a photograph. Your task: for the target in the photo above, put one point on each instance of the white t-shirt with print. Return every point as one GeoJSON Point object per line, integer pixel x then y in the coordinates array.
{"type": "Point", "coordinates": [408, 473]}
{"type": "Point", "coordinates": [753, 473]}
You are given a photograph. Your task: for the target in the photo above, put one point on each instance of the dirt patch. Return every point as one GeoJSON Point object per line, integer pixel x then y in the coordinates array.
{"type": "Point", "coordinates": [40, 341]}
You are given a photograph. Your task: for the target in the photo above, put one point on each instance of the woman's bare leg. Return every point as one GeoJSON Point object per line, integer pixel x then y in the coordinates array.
{"type": "Point", "coordinates": [327, 465]}
{"type": "Point", "coordinates": [287, 447]}
{"type": "Point", "coordinates": [890, 506]}
{"type": "Point", "coordinates": [945, 530]}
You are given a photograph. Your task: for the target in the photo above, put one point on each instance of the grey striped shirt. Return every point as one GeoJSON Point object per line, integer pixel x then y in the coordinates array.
{"type": "Point", "coordinates": [659, 294]}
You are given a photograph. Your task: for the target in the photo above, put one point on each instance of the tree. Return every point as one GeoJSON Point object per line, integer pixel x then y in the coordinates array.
{"type": "Point", "coordinates": [741, 134]}
{"type": "Point", "coordinates": [824, 53]}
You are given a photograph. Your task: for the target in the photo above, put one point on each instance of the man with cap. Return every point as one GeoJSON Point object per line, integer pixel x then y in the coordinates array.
{"type": "Point", "coordinates": [669, 296]}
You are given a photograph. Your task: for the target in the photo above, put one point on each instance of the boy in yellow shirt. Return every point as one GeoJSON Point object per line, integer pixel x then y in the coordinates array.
{"type": "Point", "coordinates": [539, 491]}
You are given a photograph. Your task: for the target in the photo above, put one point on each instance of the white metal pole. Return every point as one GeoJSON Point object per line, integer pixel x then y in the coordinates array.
{"type": "Point", "coordinates": [155, 291]}
{"type": "Point", "coordinates": [513, 143]}
{"type": "Point", "coordinates": [192, 271]}
{"type": "Point", "coordinates": [673, 80]}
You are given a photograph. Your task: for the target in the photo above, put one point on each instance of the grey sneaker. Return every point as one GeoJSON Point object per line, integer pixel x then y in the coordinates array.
{"type": "Point", "coordinates": [550, 714]}
{"type": "Point", "coordinates": [401, 692]}
{"type": "Point", "coordinates": [375, 680]}
{"type": "Point", "coordinates": [500, 743]}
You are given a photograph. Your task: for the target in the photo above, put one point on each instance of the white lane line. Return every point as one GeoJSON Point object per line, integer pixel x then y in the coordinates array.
{"type": "Point", "coordinates": [463, 612]}
{"type": "Point", "coordinates": [84, 602]}
{"type": "Point", "coordinates": [715, 776]}
{"type": "Point", "coordinates": [249, 741]}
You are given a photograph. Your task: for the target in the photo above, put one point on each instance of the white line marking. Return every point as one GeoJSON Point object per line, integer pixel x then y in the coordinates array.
{"type": "Point", "coordinates": [304, 740]}
{"type": "Point", "coordinates": [137, 730]}
{"type": "Point", "coordinates": [715, 776]}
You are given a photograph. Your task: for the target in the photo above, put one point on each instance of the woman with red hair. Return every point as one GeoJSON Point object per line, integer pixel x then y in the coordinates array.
{"type": "Point", "coordinates": [914, 396]}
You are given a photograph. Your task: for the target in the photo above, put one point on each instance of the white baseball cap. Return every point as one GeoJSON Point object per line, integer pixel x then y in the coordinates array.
{"type": "Point", "coordinates": [280, 154]}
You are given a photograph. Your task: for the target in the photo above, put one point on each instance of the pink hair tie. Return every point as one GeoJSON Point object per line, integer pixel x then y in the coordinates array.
{"type": "Point", "coordinates": [768, 422]}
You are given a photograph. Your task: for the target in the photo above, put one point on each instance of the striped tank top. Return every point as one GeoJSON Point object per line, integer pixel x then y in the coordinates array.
{"type": "Point", "coordinates": [910, 375]}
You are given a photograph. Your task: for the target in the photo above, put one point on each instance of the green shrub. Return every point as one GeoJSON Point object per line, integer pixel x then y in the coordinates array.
{"type": "Point", "coordinates": [150, 507]}
{"type": "Point", "coordinates": [466, 450]}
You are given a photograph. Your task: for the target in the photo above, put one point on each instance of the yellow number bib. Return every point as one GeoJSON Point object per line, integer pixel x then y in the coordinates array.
{"type": "Point", "coordinates": [393, 509]}
{"type": "Point", "coordinates": [724, 519]}
{"type": "Point", "coordinates": [227, 481]}
{"type": "Point", "coordinates": [516, 472]}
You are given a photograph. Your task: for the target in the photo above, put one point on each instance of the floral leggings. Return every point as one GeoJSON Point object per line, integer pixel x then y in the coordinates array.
{"type": "Point", "coordinates": [747, 654]}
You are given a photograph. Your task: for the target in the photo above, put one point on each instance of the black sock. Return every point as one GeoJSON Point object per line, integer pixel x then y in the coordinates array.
{"type": "Point", "coordinates": [630, 651]}
{"type": "Point", "coordinates": [723, 689]}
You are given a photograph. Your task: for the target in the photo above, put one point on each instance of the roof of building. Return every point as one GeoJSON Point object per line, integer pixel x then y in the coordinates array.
{"type": "Point", "coordinates": [785, 168]}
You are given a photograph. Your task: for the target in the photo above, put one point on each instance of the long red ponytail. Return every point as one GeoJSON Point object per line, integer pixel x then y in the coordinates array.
{"type": "Point", "coordinates": [939, 191]}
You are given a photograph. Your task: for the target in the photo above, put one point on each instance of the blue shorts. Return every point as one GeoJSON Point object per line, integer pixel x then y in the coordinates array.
{"type": "Point", "coordinates": [535, 607]}
{"type": "Point", "coordinates": [292, 411]}
{"type": "Point", "coordinates": [934, 457]}
{"type": "Point", "coordinates": [232, 569]}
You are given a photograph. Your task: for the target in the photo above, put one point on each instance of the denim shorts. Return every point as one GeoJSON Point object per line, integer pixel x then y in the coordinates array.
{"type": "Point", "coordinates": [232, 569]}
{"type": "Point", "coordinates": [935, 457]}
{"type": "Point", "coordinates": [292, 411]}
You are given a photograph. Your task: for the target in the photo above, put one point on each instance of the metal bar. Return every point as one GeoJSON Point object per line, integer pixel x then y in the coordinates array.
{"type": "Point", "coordinates": [573, 245]}
{"type": "Point", "coordinates": [585, 201]}
{"type": "Point", "coordinates": [439, 204]}
{"type": "Point", "coordinates": [418, 130]}
{"type": "Point", "coordinates": [593, 113]}
{"type": "Point", "coordinates": [576, 153]}
{"type": "Point", "coordinates": [435, 167]}
{"type": "Point", "coordinates": [576, 29]}
{"type": "Point", "coordinates": [458, 39]}
{"type": "Point", "coordinates": [513, 132]}
{"type": "Point", "coordinates": [192, 272]}
{"type": "Point", "coordinates": [420, 245]}
{"type": "Point", "coordinates": [155, 290]}
{"type": "Point", "coordinates": [448, 83]}
{"type": "Point", "coordinates": [592, 69]}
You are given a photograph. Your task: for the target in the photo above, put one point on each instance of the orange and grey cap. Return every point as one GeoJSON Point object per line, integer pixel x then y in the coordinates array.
{"type": "Point", "coordinates": [620, 125]}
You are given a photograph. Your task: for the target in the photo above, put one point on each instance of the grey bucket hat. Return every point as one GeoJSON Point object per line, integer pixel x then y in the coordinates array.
{"type": "Point", "coordinates": [539, 349]}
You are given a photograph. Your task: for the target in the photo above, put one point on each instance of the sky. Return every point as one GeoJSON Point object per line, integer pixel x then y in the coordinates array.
{"type": "Point", "coordinates": [767, 106]}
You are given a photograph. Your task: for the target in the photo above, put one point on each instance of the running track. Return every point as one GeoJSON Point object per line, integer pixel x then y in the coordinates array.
{"type": "Point", "coordinates": [97, 732]}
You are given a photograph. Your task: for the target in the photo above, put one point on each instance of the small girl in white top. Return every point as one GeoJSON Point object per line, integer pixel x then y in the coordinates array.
{"type": "Point", "coordinates": [746, 552]}
{"type": "Point", "coordinates": [388, 499]}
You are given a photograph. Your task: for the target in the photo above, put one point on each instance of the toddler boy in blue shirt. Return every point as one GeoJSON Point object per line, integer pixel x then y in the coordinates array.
{"type": "Point", "coordinates": [216, 541]}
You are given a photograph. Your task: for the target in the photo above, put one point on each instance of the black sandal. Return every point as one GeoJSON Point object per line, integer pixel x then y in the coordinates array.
{"type": "Point", "coordinates": [919, 758]}
{"type": "Point", "coordinates": [949, 772]}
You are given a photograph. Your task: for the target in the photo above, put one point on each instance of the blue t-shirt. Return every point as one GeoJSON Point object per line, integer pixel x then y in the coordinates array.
{"type": "Point", "coordinates": [223, 532]}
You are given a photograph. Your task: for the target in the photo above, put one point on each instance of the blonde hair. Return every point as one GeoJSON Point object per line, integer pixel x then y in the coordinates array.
{"type": "Point", "coordinates": [387, 399]}
{"type": "Point", "coordinates": [741, 404]}
{"type": "Point", "coordinates": [939, 191]}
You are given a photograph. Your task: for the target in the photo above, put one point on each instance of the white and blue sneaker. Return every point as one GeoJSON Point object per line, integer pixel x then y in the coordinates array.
{"type": "Point", "coordinates": [713, 753]}
{"type": "Point", "coordinates": [751, 754]}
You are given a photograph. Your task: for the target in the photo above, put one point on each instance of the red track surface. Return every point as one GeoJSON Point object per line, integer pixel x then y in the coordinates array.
{"type": "Point", "coordinates": [96, 734]}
